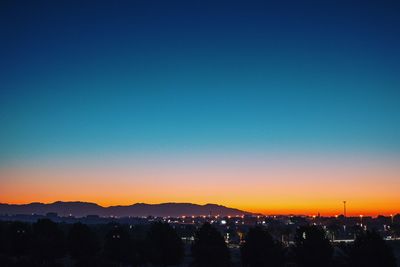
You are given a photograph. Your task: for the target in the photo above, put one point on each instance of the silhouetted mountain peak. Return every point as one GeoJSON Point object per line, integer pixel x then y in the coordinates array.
{"type": "Point", "coordinates": [80, 209]}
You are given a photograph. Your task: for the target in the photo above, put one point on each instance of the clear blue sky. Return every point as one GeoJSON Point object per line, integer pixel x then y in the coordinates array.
{"type": "Point", "coordinates": [150, 76]}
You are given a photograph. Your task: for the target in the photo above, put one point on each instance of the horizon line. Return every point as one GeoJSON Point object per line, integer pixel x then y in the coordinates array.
{"type": "Point", "coordinates": [349, 214]}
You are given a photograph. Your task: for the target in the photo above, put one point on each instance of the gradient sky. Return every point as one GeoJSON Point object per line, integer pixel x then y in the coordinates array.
{"type": "Point", "coordinates": [275, 108]}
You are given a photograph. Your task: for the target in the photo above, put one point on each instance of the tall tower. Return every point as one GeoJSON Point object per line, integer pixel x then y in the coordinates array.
{"type": "Point", "coordinates": [344, 208]}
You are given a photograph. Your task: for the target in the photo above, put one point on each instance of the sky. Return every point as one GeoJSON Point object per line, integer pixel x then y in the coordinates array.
{"type": "Point", "coordinates": [288, 107]}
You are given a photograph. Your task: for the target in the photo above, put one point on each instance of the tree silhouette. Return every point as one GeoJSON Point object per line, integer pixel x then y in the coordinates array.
{"type": "Point", "coordinates": [356, 229]}
{"type": "Point", "coordinates": [82, 244]}
{"type": "Point", "coordinates": [260, 249]}
{"type": "Point", "coordinates": [17, 239]}
{"type": "Point", "coordinates": [3, 258]}
{"type": "Point", "coordinates": [138, 253]}
{"type": "Point", "coordinates": [165, 246]}
{"type": "Point", "coordinates": [312, 248]}
{"type": "Point", "coordinates": [2, 237]}
{"type": "Point", "coordinates": [48, 242]}
{"type": "Point", "coordinates": [209, 248]}
{"type": "Point", "coordinates": [369, 249]}
{"type": "Point", "coordinates": [333, 229]}
{"type": "Point", "coordinates": [117, 245]}
{"type": "Point", "coordinates": [395, 229]}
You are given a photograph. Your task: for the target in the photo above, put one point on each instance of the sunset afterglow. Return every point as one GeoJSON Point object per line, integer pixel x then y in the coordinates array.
{"type": "Point", "coordinates": [265, 107]}
{"type": "Point", "coordinates": [262, 184]}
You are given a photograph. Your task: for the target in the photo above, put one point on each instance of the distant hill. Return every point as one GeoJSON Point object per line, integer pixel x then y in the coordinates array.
{"type": "Point", "coordinates": [81, 209]}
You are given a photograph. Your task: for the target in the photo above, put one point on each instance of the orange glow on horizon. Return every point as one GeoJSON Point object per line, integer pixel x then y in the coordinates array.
{"type": "Point", "coordinates": [285, 188]}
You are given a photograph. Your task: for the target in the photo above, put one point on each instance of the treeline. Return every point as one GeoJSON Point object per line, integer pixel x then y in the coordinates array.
{"type": "Point", "coordinates": [46, 243]}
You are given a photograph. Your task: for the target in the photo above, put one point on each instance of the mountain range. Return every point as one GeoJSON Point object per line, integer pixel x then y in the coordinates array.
{"type": "Point", "coordinates": [81, 209]}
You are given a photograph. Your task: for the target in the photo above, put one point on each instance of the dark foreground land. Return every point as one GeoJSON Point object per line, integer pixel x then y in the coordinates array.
{"type": "Point", "coordinates": [202, 242]}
